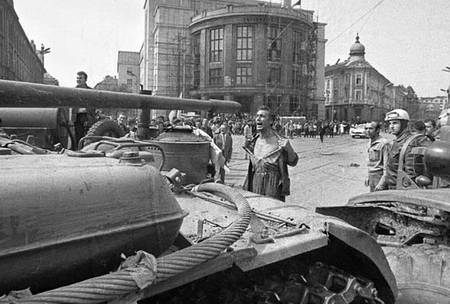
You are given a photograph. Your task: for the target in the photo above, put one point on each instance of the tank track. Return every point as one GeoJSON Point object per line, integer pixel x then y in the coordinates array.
{"type": "Point", "coordinates": [321, 284]}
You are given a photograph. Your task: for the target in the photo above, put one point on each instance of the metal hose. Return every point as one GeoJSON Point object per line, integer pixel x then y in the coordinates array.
{"type": "Point", "coordinates": [118, 284]}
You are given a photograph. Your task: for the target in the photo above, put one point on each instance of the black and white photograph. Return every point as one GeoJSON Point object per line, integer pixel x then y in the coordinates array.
{"type": "Point", "coordinates": [225, 151]}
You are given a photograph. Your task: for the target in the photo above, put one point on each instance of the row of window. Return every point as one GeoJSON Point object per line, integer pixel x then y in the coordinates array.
{"type": "Point", "coordinates": [244, 44]}
{"type": "Point", "coordinates": [358, 80]}
{"type": "Point", "coordinates": [244, 77]}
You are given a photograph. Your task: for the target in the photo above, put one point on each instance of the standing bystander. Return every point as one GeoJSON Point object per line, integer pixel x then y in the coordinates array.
{"type": "Point", "coordinates": [378, 151]}
{"type": "Point", "coordinates": [122, 122]}
{"type": "Point", "coordinates": [248, 135]}
{"type": "Point", "coordinates": [223, 140]}
{"type": "Point", "coordinates": [430, 129]}
{"type": "Point", "coordinates": [270, 154]}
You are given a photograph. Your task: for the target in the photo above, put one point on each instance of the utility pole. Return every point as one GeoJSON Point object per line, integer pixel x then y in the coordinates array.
{"type": "Point", "coordinates": [178, 63]}
{"type": "Point", "coordinates": [447, 69]}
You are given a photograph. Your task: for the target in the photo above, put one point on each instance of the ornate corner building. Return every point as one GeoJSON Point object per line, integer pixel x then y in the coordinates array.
{"type": "Point", "coordinates": [18, 58]}
{"type": "Point", "coordinates": [252, 52]}
{"type": "Point", "coordinates": [356, 91]}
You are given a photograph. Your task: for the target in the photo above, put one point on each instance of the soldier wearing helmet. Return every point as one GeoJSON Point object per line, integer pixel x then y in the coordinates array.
{"type": "Point", "coordinates": [398, 120]}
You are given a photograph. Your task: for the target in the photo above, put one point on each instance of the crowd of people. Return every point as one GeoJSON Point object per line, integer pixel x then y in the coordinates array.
{"type": "Point", "coordinates": [269, 153]}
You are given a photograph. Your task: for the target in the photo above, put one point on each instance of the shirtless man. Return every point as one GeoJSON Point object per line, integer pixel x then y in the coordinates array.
{"type": "Point", "coordinates": [269, 156]}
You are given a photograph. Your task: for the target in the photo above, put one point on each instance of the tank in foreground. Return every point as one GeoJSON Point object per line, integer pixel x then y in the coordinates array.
{"type": "Point", "coordinates": [74, 215]}
{"type": "Point", "coordinates": [66, 219]}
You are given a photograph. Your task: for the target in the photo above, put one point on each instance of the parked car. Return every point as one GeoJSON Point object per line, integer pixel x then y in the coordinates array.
{"type": "Point", "coordinates": [358, 131]}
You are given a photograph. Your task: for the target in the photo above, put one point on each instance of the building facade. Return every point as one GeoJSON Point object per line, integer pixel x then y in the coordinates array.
{"type": "Point", "coordinates": [18, 59]}
{"type": "Point", "coordinates": [259, 55]}
{"type": "Point", "coordinates": [253, 52]}
{"type": "Point", "coordinates": [356, 91]}
{"type": "Point", "coordinates": [128, 71]}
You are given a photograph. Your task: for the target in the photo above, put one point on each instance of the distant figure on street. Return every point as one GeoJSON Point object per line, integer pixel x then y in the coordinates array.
{"type": "Point", "coordinates": [322, 130]}
{"type": "Point", "coordinates": [223, 140]}
{"type": "Point", "coordinates": [378, 150]}
{"type": "Point", "coordinates": [270, 154]}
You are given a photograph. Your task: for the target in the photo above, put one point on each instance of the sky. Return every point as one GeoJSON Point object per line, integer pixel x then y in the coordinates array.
{"type": "Point", "coordinates": [408, 41]}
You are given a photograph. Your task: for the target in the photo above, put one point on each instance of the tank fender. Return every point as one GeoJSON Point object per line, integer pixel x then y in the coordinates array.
{"type": "Point", "coordinates": [432, 198]}
{"type": "Point", "coordinates": [368, 247]}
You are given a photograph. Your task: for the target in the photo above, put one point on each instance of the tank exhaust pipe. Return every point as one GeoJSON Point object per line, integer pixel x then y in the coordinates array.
{"type": "Point", "coordinates": [32, 95]}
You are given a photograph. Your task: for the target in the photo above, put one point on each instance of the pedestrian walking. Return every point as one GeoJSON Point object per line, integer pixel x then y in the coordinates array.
{"type": "Point", "coordinates": [322, 130]}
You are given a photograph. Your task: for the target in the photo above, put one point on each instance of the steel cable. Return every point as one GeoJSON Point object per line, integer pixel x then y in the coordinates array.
{"type": "Point", "coordinates": [117, 284]}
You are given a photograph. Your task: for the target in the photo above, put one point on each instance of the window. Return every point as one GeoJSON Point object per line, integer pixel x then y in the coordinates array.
{"type": "Point", "coordinates": [215, 77]}
{"type": "Point", "coordinates": [297, 41]}
{"type": "Point", "coordinates": [358, 94]}
{"type": "Point", "coordinates": [243, 75]}
{"type": "Point", "coordinates": [358, 79]}
{"type": "Point", "coordinates": [297, 79]}
{"type": "Point", "coordinates": [129, 82]}
{"type": "Point", "coordinates": [273, 44]}
{"type": "Point", "coordinates": [244, 47]}
{"type": "Point", "coordinates": [216, 45]}
{"type": "Point", "coordinates": [336, 93]}
{"type": "Point", "coordinates": [293, 104]}
{"type": "Point", "coordinates": [274, 75]}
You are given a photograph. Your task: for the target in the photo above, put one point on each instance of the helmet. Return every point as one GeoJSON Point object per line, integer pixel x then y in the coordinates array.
{"type": "Point", "coordinates": [397, 114]}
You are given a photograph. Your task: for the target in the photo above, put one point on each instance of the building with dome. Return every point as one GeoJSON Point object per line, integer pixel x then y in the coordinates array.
{"type": "Point", "coordinates": [354, 89]}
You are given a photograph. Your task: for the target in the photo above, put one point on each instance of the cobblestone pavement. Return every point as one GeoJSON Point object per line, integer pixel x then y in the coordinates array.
{"type": "Point", "coordinates": [327, 174]}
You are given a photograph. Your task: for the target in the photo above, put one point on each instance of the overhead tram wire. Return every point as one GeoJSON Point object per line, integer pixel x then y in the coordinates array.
{"type": "Point", "coordinates": [356, 21]}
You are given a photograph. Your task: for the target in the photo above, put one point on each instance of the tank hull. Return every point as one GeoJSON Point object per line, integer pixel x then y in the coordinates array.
{"type": "Point", "coordinates": [49, 266]}
{"type": "Point", "coordinates": [63, 220]}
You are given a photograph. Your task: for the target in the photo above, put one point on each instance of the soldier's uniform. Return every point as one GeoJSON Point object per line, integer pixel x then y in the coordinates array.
{"type": "Point", "coordinates": [413, 164]}
{"type": "Point", "coordinates": [378, 151]}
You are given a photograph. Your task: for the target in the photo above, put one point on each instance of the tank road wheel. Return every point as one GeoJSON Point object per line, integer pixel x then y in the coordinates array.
{"type": "Point", "coordinates": [422, 273]}
{"type": "Point", "coordinates": [106, 127]}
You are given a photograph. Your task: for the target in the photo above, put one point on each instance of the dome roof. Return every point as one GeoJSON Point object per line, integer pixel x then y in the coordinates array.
{"type": "Point", "coordinates": [357, 49]}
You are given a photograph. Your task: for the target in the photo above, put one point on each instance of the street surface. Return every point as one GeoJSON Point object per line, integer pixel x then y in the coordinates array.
{"type": "Point", "coordinates": [326, 174]}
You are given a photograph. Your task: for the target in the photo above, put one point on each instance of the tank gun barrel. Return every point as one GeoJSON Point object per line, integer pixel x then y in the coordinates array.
{"type": "Point", "coordinates": [32, 95]}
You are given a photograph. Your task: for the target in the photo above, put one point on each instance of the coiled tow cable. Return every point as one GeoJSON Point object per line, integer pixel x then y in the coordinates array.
{"type": "Point", "coordinates": [121, 283]}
